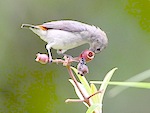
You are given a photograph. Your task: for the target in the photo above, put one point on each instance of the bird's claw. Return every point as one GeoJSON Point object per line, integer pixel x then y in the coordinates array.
{"type": "Point", "coordinates": [50, 60]}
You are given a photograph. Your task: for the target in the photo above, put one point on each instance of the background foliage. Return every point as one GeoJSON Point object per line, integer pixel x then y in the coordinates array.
{"type": "Point", "coordinates": [29, 87]}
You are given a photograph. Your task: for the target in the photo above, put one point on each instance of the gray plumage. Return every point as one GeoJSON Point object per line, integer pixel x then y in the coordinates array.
{"type": "Point", "coordinates": [66, 25]}
{"type": "Point", "coordinates": [67, 34]}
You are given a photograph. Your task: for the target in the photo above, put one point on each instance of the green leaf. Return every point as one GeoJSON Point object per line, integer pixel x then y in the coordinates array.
{"type": "Point", "coordinates": [83, 81]}
{"type": "Point", "coordinates": [145, 85]}
{"type": "Point", "coordinates": [118, 89]}
{"type": "Point", "coordinates": [105, 83]}
{"type": "Point", "coordinates": [94, 107]}
{"type": "Point", "coordinates": [95, 98]}
{"type": "Point", "coordinates": [78, 92]}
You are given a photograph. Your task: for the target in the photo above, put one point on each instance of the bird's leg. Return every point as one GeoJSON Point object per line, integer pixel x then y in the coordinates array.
{"type": "Point", "coordinates": [48, 47]}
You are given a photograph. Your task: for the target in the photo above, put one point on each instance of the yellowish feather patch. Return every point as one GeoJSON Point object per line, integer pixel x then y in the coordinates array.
{"type": "Point", "coordinates": [43, 28]}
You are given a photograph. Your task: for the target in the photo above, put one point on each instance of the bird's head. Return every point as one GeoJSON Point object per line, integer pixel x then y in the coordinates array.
{"type": "Point", "coordinates": [99, 41]}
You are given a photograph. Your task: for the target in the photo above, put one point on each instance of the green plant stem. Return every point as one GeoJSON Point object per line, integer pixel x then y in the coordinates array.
{"type": "Point", "coordinates": [76, 83]}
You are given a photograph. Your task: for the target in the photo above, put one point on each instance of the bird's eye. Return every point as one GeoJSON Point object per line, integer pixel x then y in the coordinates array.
{"type": "Point", "coordinates": [98, 49]}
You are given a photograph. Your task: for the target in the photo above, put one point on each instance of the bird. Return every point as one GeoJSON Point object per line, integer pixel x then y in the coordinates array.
{"type": "Point", "coordinates": [63, 35]}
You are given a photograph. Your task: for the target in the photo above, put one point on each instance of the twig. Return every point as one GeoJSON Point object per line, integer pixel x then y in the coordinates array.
{"type": "Point", "coordinates": [74, 100]}
{"type": "Point", "coordinates": [94, 94]}
{"type": "Point", "coordinates": [76, 83]}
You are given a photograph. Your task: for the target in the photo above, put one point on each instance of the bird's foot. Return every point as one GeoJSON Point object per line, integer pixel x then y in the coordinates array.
{"type": "Point", "coordinates": [50, 61]}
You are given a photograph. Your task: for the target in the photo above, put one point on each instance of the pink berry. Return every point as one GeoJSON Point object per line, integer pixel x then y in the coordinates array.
{"type": "Point", "coordinates": [87, 55]}
{"type": "Point", "coordinates": [42, 58]}
{"type": "Point", "coordinates": [82, 69]}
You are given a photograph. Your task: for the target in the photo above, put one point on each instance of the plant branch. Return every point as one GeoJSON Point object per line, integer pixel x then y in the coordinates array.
{"type": "Point", "coordinates": [76, 83]}
{"type": "Point", "coordinates": [74, 100]}
{"type": "Point", "coordinates": [94, 94]}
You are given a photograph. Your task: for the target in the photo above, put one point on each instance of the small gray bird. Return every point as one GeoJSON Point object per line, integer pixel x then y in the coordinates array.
{"type": "Point", "coordinates": [67, 34]}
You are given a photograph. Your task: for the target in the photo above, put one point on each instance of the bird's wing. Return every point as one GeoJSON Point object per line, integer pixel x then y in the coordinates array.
{"type": "Point", "coordinates": [66, 25]}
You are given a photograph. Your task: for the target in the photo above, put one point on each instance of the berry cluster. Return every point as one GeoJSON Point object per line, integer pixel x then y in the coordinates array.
{"type": "Point", "coordinates": [82, 59]}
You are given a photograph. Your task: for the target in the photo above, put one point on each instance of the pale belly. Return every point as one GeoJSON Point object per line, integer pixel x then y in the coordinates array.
{"type": "Point", "coordinates": [65, 40]}
{"type": "Point", "coordinates": [67, 44]}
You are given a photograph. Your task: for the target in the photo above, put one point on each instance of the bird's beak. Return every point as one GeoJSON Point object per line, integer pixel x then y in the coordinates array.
{"type": "Point", "coordinates": [29, 26]}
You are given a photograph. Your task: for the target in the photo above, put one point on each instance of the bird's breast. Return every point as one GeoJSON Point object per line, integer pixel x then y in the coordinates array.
{"type": "Point", "coordinates": [64, 39]}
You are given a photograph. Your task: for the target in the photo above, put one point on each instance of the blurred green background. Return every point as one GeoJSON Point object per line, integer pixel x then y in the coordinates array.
{"type": "Point", "coordinates": [29, 87]}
